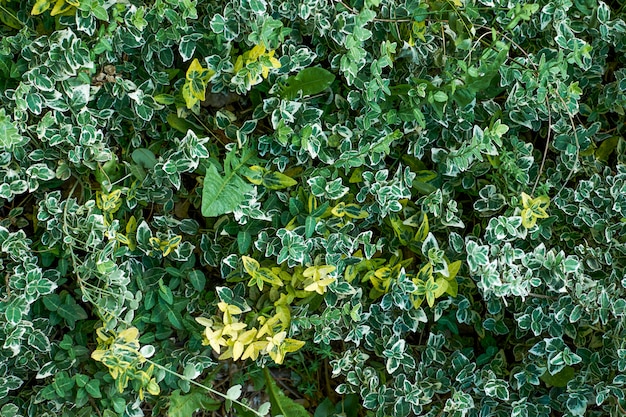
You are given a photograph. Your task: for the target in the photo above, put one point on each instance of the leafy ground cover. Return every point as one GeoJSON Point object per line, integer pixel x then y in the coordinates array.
{"type": "Point", "coordinates": [312, 208]}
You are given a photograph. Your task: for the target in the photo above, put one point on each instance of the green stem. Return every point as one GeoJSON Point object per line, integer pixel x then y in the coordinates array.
{"type": "Point", "coordinates": [211, 390]}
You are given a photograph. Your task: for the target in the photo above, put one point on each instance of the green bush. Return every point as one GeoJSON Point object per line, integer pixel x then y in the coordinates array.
{"type": "Point", "coordinates": [409, 207]}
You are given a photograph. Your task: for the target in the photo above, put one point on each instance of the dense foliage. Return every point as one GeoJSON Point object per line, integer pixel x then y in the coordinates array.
{"type": "Point", "coordinates": [399, 207]}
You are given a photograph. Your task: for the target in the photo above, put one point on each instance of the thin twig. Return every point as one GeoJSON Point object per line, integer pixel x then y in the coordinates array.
{"type": "Point", "coordinates": [545, 149]}
{"type": "Point", "coordinates": [546, 297]}
{"type": "Point", "coordinates": [376, 19]}
{"type": "Point", "coordinates": [571, 120]}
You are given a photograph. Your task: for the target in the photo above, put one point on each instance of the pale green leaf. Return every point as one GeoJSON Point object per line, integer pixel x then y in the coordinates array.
{"type": "Point", "coordinates": [222, 195]}
{"type": "Point", "coordinates": [10, 137]}
{"type": "Point", "coordinates": [186, 405]}
{"type": "Point", "coordinates": [309, 81]}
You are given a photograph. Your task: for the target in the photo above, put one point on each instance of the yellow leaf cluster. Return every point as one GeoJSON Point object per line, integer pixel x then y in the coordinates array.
{"type": "Point", "coordinates": [120, 353]}
{"type": "Point", "coordinates": [196, 81]}
{"type": "Point", "coordinates": [241, 343]}
{"type": "Point", "coordinates": [166, 246]}
{"type": "Point", "coordinates": [533, 209]}
{"type": "Point", "coordinates": [259, 54]}
{"type": "Point", "coordinates": [61, 7]}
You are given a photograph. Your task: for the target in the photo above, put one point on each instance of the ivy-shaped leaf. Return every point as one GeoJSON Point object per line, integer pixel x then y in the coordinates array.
{"type": "Point", "coordinates": [309, 81]}
{"type": "Point", "coordinates": [281, 404]}
{"type": "Point", "coordinates": [186, 405]}
{"type": "Point", "coordinates": [222, 195]}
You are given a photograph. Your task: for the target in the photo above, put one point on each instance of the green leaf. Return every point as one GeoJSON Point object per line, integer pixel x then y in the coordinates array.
{"type": "Point", "coordinates": [9, 410]}
{"type": "Point", "coordinates": [165, 293]}
{"type": "Point", "coordinates": [197, 279]}
{"type": "Point", "coordinates": [172, 314]}
{"type": "Point", "coordinates": [93, 388]}
{"type": "Point", "coordinates": [244, 240]}
{"type": "Point", "coordinates": [63, 383]}
{"type": "Point", "coordinates": [281, 404]}
{"type": "Point", "coordinates": [165, 99]}
{"type": "Point", "coordinates": [309, 81]}
{"type": "Point", "coordinates": [71, 311]}
{"type": "Point", "coordinates": [222, 195]}
{"type": "Point", "coordinates": [12, 22]}
{"type": "Point", "coordinates": [325, 409]}
{"type": "Point", "coordinates": [186, 405]}
{"type": "Point", "coordinates": [144, 158]}
{"type": "Point", "coordinates": [183, 125]}
{"type": "Point", "coordinates": [560, 379]}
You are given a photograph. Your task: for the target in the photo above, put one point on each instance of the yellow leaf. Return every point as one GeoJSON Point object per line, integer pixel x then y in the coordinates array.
{"type": "Point", "coordinates": [256, 52]}
{"type": "Point", "coordinates": [275, 62]}
{"type": "Point", "coordinates": [526, 199]}
{"type": "Point", "coordinates": [129, 335]}
{"type": "Point", "coordinates": [131, 225]}
{"type": "Point", "coordinates": [61, 7]}
{"type": "Point", "coordinates": [238, 63]}
{"type": "Point", "coordinates": [338, 211]}
{"type": "Point", "coordinates": [97, 355]}
{"type": "Point", "coordinates": [122, 239]}
{"type": "Point", "coordinates": [419, 30]}
{"type": "Point", "coordinates": [228, 308]}
{"type": "Point", "coordinates": [453, 288]}
{"type": "Point", "coordinates": [204, 321]}
{"type": "Point", "coordinates": [190, 99]}
{"type": "Point", "coordinates": [40, 7]}
{"type": "Point", "coordinates": [442, 287]}
{"type": "Point", "coordinates": [153, 388]}
{"type": "Point", "coordinates": [453, 269]}
{"type": "Point", "coordinates": [354, 211]}
{"type": "Point", "coordinates": [250, 265]}
{"type": "Point", "coordinates": [238, 349]}
{"type": "Point", "coordinates": [265, 71]}
{"type": "Point", "coordinates": [422, 231]}
{"type": "Point", "coordinates": [197, 78]}
{"type": "Point", "coordinates": [534, 208]}
{"type": "Point", "coordinates": [194, 67]}
{"type": "Point", "coordinates": [256, 176]}
{"type": "Point", "coordinates": [528, 220]}
{"type": "Point", "coordinates": [431, 289]}
{"type": "Point", "coordinates": [417, 300]}
{"type": "Point", "coordinates": [277, 180]}
{"type": "Point", "coordinates": [253, 350]}
{"type": "Point", "coordinates": [319, 286]}
{"type": "Point", "coordinates": [291, 345]}
{"type": "Point", "coordinates": [215, 339]}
